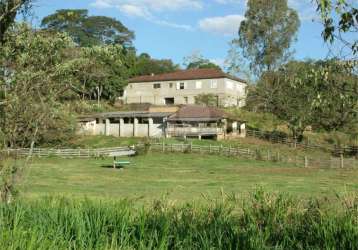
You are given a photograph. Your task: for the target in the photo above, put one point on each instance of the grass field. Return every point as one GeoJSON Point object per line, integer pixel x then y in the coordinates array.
{"type": "Point", "coordinates": [182, 177]}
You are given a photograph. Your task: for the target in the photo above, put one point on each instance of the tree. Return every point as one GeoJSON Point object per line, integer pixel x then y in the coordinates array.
{"type": "Point", "coordinates": [289, 93]}
{"type": "Point", "coordinates": [145, 65]}
{"type": "Point", "coordinates": [209, 100]}
{"type": "Point", "coordinates": [87, 30]}
{"type": "Point", "coordinates": [197, 61]}
{"type": "Point", "coordinates": [8, 12]}
{"type": "Point", "coordinates": [323, 94]}
{"type": "Point", "coordinates": [101, 72]}
{"type": "Point", "coordinates": [267, 33]}
{"type": "Point", "coordinates": [235, 63]}
{"type": "Point", "coordinates": [340, 20]}
{"type": "Point", "coordinates": [336, 105]}
{"type": "Point", "coordinates": [36, 73]}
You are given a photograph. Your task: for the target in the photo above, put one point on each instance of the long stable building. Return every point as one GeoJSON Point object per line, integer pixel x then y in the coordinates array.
{"type": "Point", "coordinates": [188, 121]}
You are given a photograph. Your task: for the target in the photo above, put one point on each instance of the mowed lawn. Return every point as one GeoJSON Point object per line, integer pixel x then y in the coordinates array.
{"type": "Point", "coordinates": [178, 177]}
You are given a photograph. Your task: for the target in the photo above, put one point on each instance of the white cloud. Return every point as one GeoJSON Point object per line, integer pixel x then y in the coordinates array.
{"type": "Point", "coordinates": [226, 25]}
{"type": "Point", "coordinates": [231, 1]}
{"type": "Point", "coordinates": [173, 25]}
{"type": "Point", "coordinates": [101, 4]}
{"type": "Point", "coordinates": [151, 5]}
{"type": "Point", "coordinates": [134, 11]}
{"type": "Point", "coordinates": [148, 8]}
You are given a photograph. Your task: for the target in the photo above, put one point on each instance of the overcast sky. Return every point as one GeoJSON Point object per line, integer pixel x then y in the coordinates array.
{"type": "Point", "coordinates": [176, 28]}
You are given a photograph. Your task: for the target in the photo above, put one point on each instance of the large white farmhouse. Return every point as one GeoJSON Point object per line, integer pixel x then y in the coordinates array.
{"type": "Point", "coordinates": [181, 87]}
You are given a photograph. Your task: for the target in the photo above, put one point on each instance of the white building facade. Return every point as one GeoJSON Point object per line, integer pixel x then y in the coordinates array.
{"type": "Point", "coordinates": [182, 87]}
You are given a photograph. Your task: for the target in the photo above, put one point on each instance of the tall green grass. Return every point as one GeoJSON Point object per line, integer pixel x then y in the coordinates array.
{"type": "Point", "coordinates": [262, 221]}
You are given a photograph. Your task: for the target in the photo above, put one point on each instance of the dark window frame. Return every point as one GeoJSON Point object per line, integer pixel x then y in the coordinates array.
{"type": "Point", "coordinates": [157, 86]}
{"type": "Point", "coordinates": [182, 85]}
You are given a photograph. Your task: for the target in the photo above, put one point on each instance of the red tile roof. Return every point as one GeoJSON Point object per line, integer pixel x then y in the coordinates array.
{"type": "Point", "coordinates": [198, 113]}
{"type": "Point", "coordinates": [191, 74]}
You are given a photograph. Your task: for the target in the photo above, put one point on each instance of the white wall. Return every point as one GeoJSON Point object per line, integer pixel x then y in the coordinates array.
{"type": "Point", "coordinates": [114, 129]}
{"type": "Point", "coordinates": [100, 129]}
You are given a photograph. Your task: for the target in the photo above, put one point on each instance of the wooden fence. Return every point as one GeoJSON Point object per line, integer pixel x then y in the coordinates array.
{"type": "Point", "coordinates": [284, 139]}
{"type": "Point", "coordinates": [230, 151]}
{"type": "Point", "coordinates": [67, 153]}
{"type": "Point", "coordinates": [258, 154]}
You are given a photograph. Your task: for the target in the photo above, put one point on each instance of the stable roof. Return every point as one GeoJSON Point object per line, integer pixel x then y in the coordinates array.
{"type": "Point", "coordinates": [135, 114]}
{"type": "Point", "coordinates": [199, 113]}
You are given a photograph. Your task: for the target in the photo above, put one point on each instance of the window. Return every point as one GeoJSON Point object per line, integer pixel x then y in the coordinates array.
{"type": "Point", "coordinates": [169, 100]}
{"type": "Point", "coordinates": [214, 84]}
{"type": "Point", "coordinates": [198, 85]}
{"type": "Point", "coordinates": [171, 85]}
{"type": "Point", "coordinates": [181, 85]}
{"type": "Point", "coordinates": [156, 85]}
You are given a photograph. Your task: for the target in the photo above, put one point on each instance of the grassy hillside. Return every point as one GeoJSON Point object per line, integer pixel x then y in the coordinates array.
{"type": "Point", "coordinates": [258, 120]}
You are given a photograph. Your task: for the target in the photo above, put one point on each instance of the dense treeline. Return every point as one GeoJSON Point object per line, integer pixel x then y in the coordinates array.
{"type": "Point", "coordinates": [320, 94]}
{"type": "Point", "coordinates": [262, 221]}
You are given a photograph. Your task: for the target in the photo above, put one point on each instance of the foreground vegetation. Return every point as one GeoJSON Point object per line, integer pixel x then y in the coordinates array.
{"type": "Point", "coordinates": [179, 177]}
{"type": "Point", "coordinates": [261, 221]}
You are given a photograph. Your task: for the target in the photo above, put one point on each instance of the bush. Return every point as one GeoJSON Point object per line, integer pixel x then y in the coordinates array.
{"type": "Point", "coordinates": [144, 148]}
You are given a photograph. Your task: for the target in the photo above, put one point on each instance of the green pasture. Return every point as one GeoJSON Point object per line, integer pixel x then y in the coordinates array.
{"type": "Point", "coordinates": [178, 177]}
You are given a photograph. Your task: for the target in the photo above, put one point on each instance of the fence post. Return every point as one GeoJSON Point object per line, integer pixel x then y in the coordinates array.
{"type": "Point", "coordinates": [306, 162]}
{"type": "Point", "coordinates": [221, 149]}
{"type": "Point", "coordinates": [210, 148]}
{"type": "Point", "coordinates": [191, 146]}
{"type": "Point", "coordinates": [342, 160]}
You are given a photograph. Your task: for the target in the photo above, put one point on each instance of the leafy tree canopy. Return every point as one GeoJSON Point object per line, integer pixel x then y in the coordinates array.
{"type": "Point", "coordinates": [267, 33]}
{"type": "Point", "coordinates": [209, 100]}
{"type": "Point", "coordinates": [197, 61]}
{"type": "Point", "coordinates": [36, 73]}
{"type": "Point", "coordinates": [145, 65]}
{"type": "Point", "coordinates": [101, 71]}
{"type": "Point", "coordinates": [323, 94]}
{"type": "Point", "coordinates": [340, 20]}
{"type": "Point", "coordinates": [8, 11]}
{"type": "Point", "coordinates": [87, 30]}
